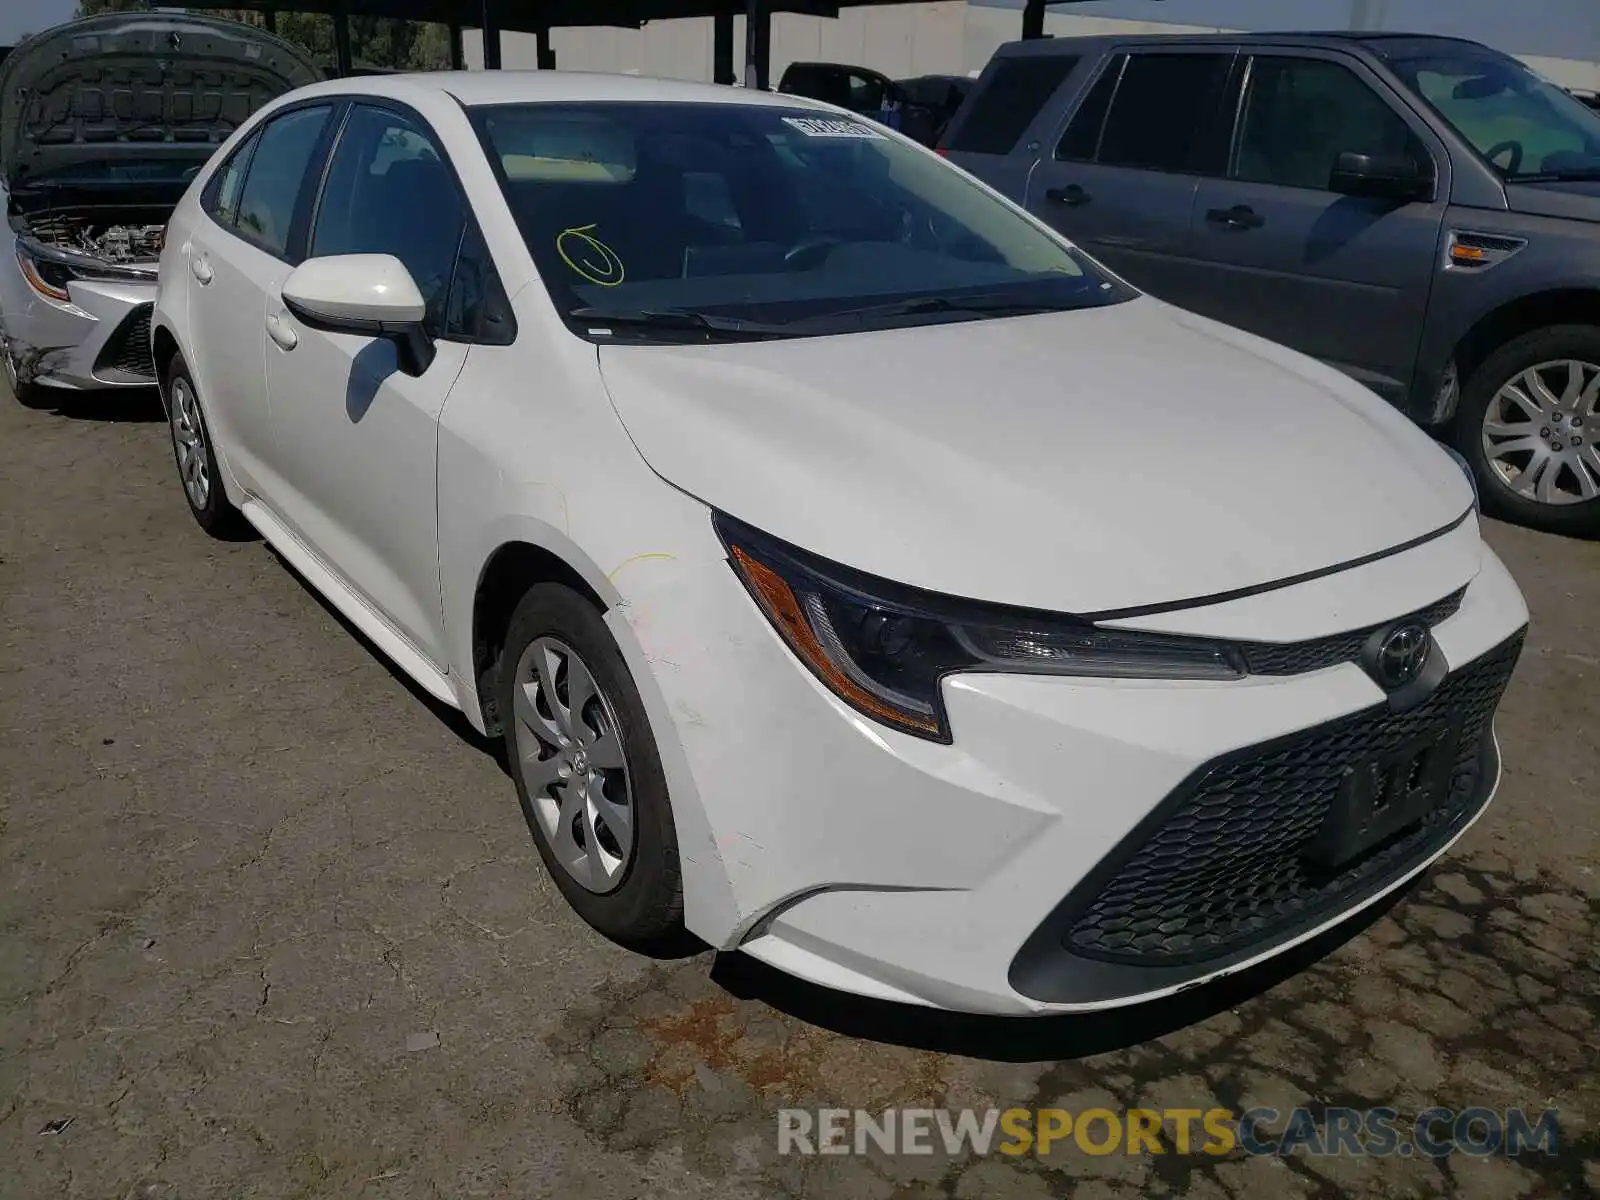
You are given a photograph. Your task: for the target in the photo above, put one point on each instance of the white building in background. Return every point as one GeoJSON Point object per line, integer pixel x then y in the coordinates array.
{"type": "Point", "coordinates": [1559, 38]}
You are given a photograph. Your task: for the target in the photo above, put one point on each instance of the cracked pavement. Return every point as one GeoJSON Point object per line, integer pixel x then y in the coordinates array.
{"type": "Point", "coordinates": [271, 926]}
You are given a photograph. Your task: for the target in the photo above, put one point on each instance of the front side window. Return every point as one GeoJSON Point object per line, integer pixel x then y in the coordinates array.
{"type": "Point", "coordinates": [389, 191]}
{"type": "Point", "coordinates": [1008, 101]}
{"type": "Point", "coordinates": [277, 173]}
{"type": "Point", "coordinates": [1300, 114]}
{"type": "Point", "coordinates": [1523, 125]}
{"type": "Point", "coordinates": [1162, 111]}
{"type": "Point", "coordinates": [736, 214]}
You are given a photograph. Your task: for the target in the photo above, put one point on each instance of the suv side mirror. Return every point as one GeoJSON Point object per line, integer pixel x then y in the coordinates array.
{"type": "Point", "coordinates": [368, 294]}
{"type": "Point", "coordinates": [1380, 176]}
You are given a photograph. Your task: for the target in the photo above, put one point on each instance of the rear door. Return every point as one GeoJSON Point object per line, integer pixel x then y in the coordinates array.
{"type": "Point", "coordinates": [238, 254]}
{"type": "Point", "coordinates": [1345, 278]}
{"type": "Point", "coordinates": [1122, 175]}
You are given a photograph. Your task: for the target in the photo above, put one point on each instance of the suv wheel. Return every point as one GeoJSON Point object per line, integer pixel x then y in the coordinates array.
{"type": "Point", "coordinates": [587, 771]}
{"type": "Point", "coordinates": [1530, 426]}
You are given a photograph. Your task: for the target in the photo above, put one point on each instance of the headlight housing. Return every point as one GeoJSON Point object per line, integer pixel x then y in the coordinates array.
{"type": "Point", "coordinates": [46, 276]}
{"type": "Point", "coordinates": [883, 648]}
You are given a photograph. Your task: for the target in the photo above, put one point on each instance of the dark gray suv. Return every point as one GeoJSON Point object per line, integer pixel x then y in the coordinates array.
{"type": "Point", "coordinates": [1422, 212]}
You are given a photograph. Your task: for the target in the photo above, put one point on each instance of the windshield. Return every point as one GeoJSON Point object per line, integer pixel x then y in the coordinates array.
{"type": "Point", "coordinates": [769, 220]}
{"type": "Point", "coordinates": [1525, 126]}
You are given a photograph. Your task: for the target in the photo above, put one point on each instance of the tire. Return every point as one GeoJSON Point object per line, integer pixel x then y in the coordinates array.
{"type": "Point", "coordinates": [1565, 491]}
{"type": "Point", "coordinates": [29, 395]}
{"type": "Point", "coordinates": [632, 891]}
{"type": "Point", "coordinates": [197, 469]}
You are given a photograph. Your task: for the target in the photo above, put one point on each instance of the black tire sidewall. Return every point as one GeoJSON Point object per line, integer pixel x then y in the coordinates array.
{"type": "Point", "coordinates": [1541, 345]}
{"type": "Point", "coordinates": [647, 908]}
{"type": "Point", "coordinates": [219, 517]}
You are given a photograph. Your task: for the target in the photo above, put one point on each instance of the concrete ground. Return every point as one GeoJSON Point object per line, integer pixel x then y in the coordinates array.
{"type": "Point", "coordinates": [270, 925]}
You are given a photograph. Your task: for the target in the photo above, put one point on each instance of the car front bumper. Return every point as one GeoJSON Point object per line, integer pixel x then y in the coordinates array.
{"type": "Point", "coordinates": [98, 339]}
{"type": "Point", "coordinates": [975, 876]}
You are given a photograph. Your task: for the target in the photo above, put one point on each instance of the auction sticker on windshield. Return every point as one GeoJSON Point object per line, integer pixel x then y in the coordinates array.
{"type": "Point", "coordinates": [825, 128]}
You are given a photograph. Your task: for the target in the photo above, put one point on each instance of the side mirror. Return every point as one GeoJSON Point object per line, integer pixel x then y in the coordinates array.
{"type": "Point", "coordinates": [1379, 176]}
{"type": "Point", "coordinates": [368, 294]}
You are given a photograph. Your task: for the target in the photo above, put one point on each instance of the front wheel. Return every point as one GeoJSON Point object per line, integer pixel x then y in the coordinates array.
{"type": "Point", "coordinates": [587, 771]}
{"type": "Point", "coordinates": [1530, 426]}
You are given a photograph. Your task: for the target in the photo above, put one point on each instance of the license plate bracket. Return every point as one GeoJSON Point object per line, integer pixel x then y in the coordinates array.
{"type": "Point", "coordinates": [1382, 796]}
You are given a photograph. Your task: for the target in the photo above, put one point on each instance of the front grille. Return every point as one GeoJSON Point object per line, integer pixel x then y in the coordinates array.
{"type": "Point", "coordinates": [1295, 658]}
{"type": "Point", "coordinates": [126, 355]}
{"type": "Point", "coordinates": [1225, 864]}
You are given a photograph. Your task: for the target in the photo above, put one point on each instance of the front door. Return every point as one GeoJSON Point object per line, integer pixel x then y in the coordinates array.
{"type": "Point", "coordinates": [1345, 278]}
{"type": "Point", "coordinates": [1121, 182]}
{"type": "Point", "coordinates": [357, 437]}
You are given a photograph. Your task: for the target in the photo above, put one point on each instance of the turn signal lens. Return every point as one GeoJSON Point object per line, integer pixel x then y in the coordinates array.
{"type": "Point", "coordinates": [47, 278]}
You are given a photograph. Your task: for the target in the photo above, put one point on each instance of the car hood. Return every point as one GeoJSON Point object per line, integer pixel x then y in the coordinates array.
{"type": "Point", "coordinates": [1575, 199]}
{"type": "Point", "coordinates": [136, 86]}
{"type": "Point", "coordinates": [1082, 462]}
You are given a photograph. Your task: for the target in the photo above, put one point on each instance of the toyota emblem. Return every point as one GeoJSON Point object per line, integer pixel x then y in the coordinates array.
{"type": "Point", "coordinates": [1402, 654]}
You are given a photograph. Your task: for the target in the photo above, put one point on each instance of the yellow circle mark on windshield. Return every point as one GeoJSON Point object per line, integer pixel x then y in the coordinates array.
{"type": "Point", "coordinates": [589, 256]}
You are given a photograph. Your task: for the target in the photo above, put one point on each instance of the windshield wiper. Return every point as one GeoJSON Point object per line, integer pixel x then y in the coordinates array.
{"type": "Point", "coordinates": [676, 319]}
{"type": "Point", "coordinates": [993, 306]}
{"type": "Point", "coordinates": [1578, 175]}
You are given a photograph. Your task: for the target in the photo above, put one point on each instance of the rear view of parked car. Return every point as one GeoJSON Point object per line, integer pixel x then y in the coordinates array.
{"type": "Point", "coordinates": [1420, 212]}
{"type": "Point", "coordinates": [103, 123]}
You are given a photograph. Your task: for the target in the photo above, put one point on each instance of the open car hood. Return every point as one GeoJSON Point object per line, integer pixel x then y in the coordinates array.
{"type": "Point", "coordinates": [136, 86]}
{"type": "Point", "coordinates": [1080, 462]}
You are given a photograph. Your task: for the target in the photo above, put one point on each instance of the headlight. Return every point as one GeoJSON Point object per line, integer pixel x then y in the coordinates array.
{"type": "Point", "coordinates": [45, 276]}
{"type": "Point", "coordinates": [883, 648]}
{"type": "Point", "coordinates": [1466, 469]}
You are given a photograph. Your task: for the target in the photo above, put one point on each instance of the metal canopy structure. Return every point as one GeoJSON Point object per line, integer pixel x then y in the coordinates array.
{"type": "Point", "coordinates": [539, 17]}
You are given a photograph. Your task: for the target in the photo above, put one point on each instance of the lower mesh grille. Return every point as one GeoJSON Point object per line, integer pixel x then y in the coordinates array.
{"type": "Point", "coordinates": [127, 351]}
{"type": "Point", "coordinates": [1227, 865]}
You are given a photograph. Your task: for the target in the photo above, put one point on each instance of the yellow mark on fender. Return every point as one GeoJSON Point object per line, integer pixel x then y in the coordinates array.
{"type": "Point", "coordinates": [647, 554]}
{"type": "Point", "coordinates": [589, 256]}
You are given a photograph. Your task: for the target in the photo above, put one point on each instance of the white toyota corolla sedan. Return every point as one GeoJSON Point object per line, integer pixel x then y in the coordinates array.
{"type": "Point", "coordinates": [858, 574]}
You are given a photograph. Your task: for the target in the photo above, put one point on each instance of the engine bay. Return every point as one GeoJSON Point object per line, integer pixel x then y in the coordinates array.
{"type": "Point", "coordinates": [120, 244]}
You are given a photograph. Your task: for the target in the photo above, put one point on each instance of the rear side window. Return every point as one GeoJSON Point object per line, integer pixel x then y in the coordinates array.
{"type": "Point", "coordinates": [1164, 107]}
{"type": "Point", "coordinates": [1082, 139]}
{"type": "Point", "coordinates": [1005, 106]}
{"type": "Point", "coordinates": [221, 198]}
{"type": "Point", "coordinates": [277, 175]}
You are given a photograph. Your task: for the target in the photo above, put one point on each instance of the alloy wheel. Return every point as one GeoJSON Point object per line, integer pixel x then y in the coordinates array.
{"type": "Point", "coordinates": [189, 436]}
{"type": "Point", "coordinates": [569, 750]}
{"type": "Point", "coordinates": [1539, 432]}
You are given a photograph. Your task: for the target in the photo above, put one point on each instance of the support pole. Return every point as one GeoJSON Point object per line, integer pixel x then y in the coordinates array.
{"type": "Point", "coordinates": [341, 43]}
{"type": "Point", "coordinates": [722, 49]}
{"type": "Point", "coordinates": [757, 43]}
{"type": "Point", "coordinates": [458, 54]}
{"type": "Point", "coordinates": [545, 58]}
{"type": "Point", "coordinates": [269, 20]}
{"type": "Point", "coordinates": [491, 37]}
{"type": "Point", "coordinates": [1033, 19]}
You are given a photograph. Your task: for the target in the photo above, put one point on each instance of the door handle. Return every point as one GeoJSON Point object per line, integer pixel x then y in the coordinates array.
{"type": "Point", "coordinates": [1240, 216]}
{"type": "Point", "coordinates": [1072, 195]}
{"type": "Point", "coordinates": [278, 330]}
{"type": "Point", "coordinates": [201, 270]}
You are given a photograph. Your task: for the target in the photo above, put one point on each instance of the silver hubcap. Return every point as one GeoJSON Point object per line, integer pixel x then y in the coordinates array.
{"type": "Point", "coordinates": [1539, 433]}
{"type": "Point", "coordinates": [188, 434]}
{"type": "Point", "coordinates": [570, 753]}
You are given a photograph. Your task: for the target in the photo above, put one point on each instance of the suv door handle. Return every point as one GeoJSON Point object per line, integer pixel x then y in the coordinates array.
{"type": "Point", "coordinates": [201, 270]}
{"type": "Point", "coordinates": [278, 330]}
{"type": "Point", "coordinates": [1240, 216]}
{"type": "Point", "coordinates": [1072, 195]}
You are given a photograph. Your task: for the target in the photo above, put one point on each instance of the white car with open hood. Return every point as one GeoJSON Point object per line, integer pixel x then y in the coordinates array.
{"type": "Point", "coordinates": [859, 575]}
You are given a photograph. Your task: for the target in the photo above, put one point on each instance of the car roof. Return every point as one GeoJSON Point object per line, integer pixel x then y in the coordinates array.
{"type": "Point", "coordinates": [1377, 41]}
{"type": "Point", "coordinates": [474, 88]}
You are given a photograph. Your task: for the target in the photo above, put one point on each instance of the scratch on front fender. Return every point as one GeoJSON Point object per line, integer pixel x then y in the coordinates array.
{"type": "Point", "coordinates": [617, 570]}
